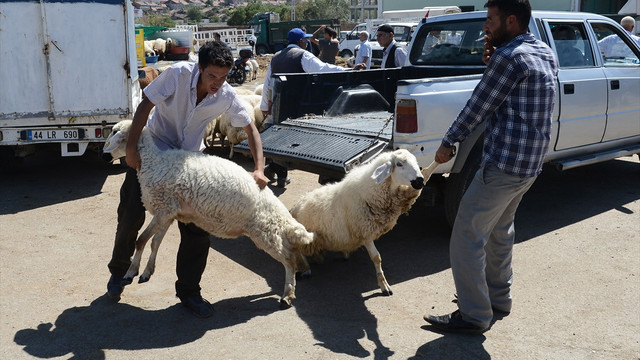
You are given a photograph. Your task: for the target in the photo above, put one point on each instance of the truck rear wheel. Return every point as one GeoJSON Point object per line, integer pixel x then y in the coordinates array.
{"type": "Point", "coordinates": [458, 183]}
{"type": "Point", "coordinates": [261, 49]}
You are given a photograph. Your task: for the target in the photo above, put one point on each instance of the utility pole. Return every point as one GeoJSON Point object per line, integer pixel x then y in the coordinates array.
{"type": "Point", "coordinates": [293, 10]}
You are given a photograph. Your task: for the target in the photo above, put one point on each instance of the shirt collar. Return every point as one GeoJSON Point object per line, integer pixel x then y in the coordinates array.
{"type": "Point", "coordinates": [386, 50]}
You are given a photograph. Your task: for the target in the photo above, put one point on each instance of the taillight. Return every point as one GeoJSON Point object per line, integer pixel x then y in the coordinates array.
{"type": "Point", "coordinates": [406, 116]}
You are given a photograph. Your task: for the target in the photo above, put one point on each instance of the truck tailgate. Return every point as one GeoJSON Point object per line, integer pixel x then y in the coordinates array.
{"type": "Point", "coordinates": [324, 145]}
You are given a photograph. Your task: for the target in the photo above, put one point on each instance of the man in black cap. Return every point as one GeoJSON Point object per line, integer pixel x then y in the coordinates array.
{"type": "Point", "coordinates": [292, 59]}
{"type": "Point", "coordinates": [393, 55]}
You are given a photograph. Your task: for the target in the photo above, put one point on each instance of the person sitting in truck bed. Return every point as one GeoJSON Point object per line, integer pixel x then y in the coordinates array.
{"type": "Point", "coordinates": [392, 54]}
{"type": "Point", "coordinates": [292, 59]}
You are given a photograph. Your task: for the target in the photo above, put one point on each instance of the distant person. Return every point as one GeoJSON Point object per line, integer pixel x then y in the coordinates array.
{"type": "Point", "coordinates": [292, 59]}
{"type": "Point", "coordinates": [393, 55]}
{"type": "Point", "coordinates": [564, 38]}
{"type": "Point", "coordinates": [453, 38]}
{"type": "Point", "coordinates": [363, 58]}
{"type": "Point", "coordinates": [328, 46]}
{"type": "Point", "coordinates": [432, 39]}
{"type": "Point", "coordinates": [216, 37]}
{"type": "Point", "coordinates": [613, 46]}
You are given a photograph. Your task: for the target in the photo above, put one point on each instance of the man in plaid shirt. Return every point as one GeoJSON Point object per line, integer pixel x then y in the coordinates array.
{"type": "Point", "coordinates": [515, 99]}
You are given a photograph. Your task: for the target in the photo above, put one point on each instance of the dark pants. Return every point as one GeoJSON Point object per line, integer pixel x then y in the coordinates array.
{"type": "Point", "coordinates": [194, 242]}
{"type": "Point", "coordinates": [278, 169]}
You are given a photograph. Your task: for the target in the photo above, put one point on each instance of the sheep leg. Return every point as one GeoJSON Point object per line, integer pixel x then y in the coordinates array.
{"type": "Point", "coordinates": [151, 263]}
{"type": "Point", "coordinates": [289, 287]}
{"type": "Point", "coordinates": [151, 229]}
{"type": "Point", "coordinates": [377, 262]}
{"type": "Point", "coordinates": [302, 265]}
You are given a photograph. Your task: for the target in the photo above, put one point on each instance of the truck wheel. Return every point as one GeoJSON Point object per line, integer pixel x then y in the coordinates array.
{"type": "Point", "coordinates": [458, 183]}
{"type": "Point", "coordinates": [261, 49]}
{"type": "Point", "coordinates": [346, 53]}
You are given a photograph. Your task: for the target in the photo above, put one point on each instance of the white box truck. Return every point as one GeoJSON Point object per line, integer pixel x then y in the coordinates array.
{"type": "Point", "coordinates": [68, 73]}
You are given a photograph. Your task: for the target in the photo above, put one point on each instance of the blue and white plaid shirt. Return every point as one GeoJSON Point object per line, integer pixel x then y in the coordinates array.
{"type": "Point", "coordinates": [516, 96]}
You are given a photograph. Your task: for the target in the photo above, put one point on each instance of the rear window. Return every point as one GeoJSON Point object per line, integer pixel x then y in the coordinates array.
{"type": "Point", "coordinates": [451, 43]}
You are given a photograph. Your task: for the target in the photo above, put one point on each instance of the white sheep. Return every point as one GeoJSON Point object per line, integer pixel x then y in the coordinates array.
{"type": "Point", "coordinates": [361, 207]}
{"type": "Point", "coordinates": [258, 89]}
{"type": "Point", "coordinates": [215, 194]}
{"type": "Point", "coordinates": [161, 46]}
{"type": "Point", "coordinates": [222, 127]}
{"type": "Point", "coordinates": [148, 48]}
{"type": "Point", "coordinates": [255, 67]}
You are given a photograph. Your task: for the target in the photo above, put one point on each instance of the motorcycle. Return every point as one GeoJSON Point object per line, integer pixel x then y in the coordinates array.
{"type": "Point", "coordinates": [240, 69]}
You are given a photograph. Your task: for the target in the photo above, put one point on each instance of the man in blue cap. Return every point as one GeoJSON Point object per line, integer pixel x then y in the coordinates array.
{"type": "Point", "coordinates": [292, 59]}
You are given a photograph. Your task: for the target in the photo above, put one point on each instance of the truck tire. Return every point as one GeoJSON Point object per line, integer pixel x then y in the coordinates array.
{"type": "Point", "coordinates": [261, 49]}
{"type": "Point", "coordinates": [458, 183]}
{"type": "Point", "coordinates": [346, 53]}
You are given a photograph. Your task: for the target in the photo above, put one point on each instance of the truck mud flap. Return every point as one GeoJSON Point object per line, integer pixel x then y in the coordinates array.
{"type": "Point", "coordinates": [326, 153]}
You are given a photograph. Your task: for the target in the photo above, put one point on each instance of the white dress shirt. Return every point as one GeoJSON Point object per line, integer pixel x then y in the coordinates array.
{"type": "Point", "coordinates": [177, 122]}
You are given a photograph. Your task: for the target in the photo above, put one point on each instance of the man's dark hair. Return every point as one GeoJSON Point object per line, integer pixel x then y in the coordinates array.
{"type": "Point", "coordinates": [520, 8]}
{"type": "Point", "coordinates": [215, 53]}
{"type": "Point", "coordinates": [331, 32]}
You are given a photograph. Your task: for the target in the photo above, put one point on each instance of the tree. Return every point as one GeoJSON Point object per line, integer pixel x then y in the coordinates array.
{"type": "Point", "coordinates": [194, 13]}
{"type": "Point", "coordinates": [159, 20]}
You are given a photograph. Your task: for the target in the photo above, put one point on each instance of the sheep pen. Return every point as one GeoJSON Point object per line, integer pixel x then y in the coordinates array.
{"type": "Point", "coordinates": [361, 207]}
{"type": "Point", "coordinates": [213, 193]}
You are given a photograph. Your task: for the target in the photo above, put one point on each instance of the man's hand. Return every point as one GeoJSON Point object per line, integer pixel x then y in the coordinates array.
{"type": "Point", "coordinates": [444, 154]}
{"type": "Point", "coordinates": [488, 50]}
{"type": "Point", "coordinates": [133, 158]}
{"type": "Point", "coordinates": [360, 66]}
{"type": "Point", "coordinates": [260, 178]}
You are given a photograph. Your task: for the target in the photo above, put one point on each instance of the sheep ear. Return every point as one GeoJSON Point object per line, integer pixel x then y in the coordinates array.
{"type": "Point", "coordinates": [382, 172]}
{"type": "Point", "coordinates": [113, 142]}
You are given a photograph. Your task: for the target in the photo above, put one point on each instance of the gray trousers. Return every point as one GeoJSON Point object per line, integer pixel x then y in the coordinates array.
{"type": "Point", "coordinates": [482, 243]}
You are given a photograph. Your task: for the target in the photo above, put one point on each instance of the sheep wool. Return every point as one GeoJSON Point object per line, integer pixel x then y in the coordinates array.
{"type": "Point", "coordinates": [215, 194]}
{"type": "Point", "coordinates": [362, 207]}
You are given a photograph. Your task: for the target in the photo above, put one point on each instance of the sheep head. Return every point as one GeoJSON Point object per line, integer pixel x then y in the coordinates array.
{"type": "Point", "coordinates": [403, 169]}
{"type": "Point", "coordinates": [116, 143]}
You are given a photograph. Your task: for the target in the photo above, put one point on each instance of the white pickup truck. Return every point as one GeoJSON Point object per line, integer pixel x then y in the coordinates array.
{"type": "Point", "coordinates": [596, 117]}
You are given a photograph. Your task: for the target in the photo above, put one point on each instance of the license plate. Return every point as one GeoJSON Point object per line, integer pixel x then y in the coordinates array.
{"type": "Point", "coordinates": [51, 135]}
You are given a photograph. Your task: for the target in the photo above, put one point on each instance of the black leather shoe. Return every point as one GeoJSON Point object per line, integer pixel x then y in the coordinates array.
{"type": "Point", "coordinates": [454, 323]}
{"type": "Point", "coordinates": [198, 306]}
{"type": "Point", "coordinates": [283, 182]}
{"type": "Point", "coordinates": [115, 287]}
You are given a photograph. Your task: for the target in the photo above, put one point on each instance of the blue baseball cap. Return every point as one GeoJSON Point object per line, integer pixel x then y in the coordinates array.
{"type": "Point", "coordinates": [296, 34]}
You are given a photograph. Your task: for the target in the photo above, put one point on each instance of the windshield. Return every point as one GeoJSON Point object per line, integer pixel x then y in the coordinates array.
{"type": "Point", "coordinates": [450, 43]}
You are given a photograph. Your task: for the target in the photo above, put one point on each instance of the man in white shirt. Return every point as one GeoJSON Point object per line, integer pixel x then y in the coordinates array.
{"type": "Point", "coordinates": [363, 58]}
{"type": "Point", "coordinates": [613, 46]}
{"type": "Point", "coordinates": [186, 97]}
{"type": "Point", "coordinates": [392, 54]}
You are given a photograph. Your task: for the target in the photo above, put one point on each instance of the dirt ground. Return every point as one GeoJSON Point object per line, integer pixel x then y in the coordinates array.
{"type": "Point", "coordinates": [576, 289]}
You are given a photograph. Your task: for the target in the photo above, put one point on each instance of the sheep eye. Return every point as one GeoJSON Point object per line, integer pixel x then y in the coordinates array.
{"type": "Point", "coordinates": [399, 164]}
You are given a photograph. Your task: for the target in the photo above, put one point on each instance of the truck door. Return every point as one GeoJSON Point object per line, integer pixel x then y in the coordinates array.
{"type": "Point", "coordinates": [582, 86]}
{"type": "Point", "coordinates": [621, 65]}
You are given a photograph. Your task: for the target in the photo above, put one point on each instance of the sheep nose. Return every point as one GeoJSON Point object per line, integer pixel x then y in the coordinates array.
{"type": "Point", "coordinates": [417, 183]}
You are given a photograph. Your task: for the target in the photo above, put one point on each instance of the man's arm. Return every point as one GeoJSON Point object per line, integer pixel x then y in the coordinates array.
{"type": "Point", "coordinates": [255, 145]}
{"type": "Point", "coordinates": [311, 63]}
{"type": "Point", "coordinates": [265, 103]}
{"type": "Point", "coordinates": [139, 121]}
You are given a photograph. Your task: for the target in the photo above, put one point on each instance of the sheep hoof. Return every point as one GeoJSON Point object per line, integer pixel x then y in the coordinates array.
{"type": "Point", "coordinates": [285, 304]}
{"type": "Point", "coordinates": [143, 279]}
{"type": "Point", "coordinates": [387, 292]}
{"type": "Point", "coordinates": [127, 280]}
